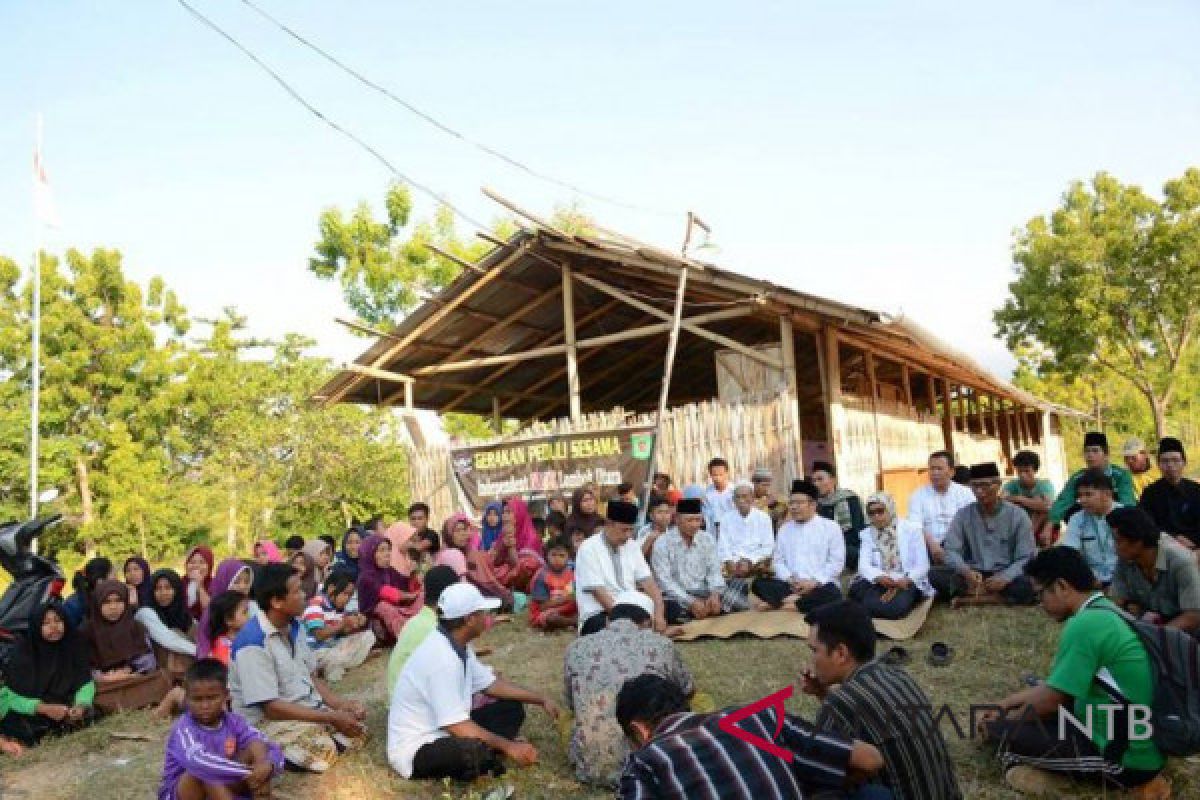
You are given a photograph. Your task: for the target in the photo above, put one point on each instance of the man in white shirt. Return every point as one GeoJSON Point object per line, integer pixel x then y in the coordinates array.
{"type": "Point", "coordinates": [718, 496]}
{"type": "Point", "coordinates": [810, 553]}
{"type": "Point", "coordinates": [932, 507]}
{"type": "Point", "coordinates": [610, 563]}
{"type": "Point", "coordinates": [432, 731]}
{"type": "Point", "coordinates": [747, 537]}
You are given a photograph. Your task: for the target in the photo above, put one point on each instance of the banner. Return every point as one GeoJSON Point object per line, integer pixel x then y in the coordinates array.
{"type": "Point", "coordinates": [533, 468]}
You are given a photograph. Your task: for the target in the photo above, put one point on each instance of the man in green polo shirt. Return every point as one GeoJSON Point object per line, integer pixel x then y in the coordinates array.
{"type": "Point", "coordinates": [1095, 640]}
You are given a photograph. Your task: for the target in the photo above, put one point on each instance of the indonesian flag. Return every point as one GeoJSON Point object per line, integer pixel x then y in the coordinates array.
{"type": "Point", "coordinates": [43, 200]}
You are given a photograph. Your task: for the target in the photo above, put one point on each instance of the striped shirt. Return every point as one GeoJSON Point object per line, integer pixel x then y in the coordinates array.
{"type": "Point", "coordinates": [691, 758]}
{"type": "Point", "coordinates": [884, 706]}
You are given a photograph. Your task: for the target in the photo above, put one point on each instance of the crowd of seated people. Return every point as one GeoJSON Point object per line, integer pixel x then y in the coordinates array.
{"type": "Point", "coordinates": [252, 646]}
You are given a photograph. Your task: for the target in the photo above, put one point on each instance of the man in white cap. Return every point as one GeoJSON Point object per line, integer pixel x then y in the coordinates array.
{"type": "Point", "coordinates": [432, 731]}
{"type": "Point", "coordinates": [1138, 461]}
{"type": "Point", "coordinates": [596, 667]}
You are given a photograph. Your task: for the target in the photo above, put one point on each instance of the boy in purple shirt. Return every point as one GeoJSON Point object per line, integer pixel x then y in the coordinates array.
{"type": "Point", "coordinates": [212, 753]}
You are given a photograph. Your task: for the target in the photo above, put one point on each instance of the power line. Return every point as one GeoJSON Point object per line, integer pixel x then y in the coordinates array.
{"type": "Point", "coordinates": [295, 95]}
{"type": "Point", "coordinates": [512, 162]}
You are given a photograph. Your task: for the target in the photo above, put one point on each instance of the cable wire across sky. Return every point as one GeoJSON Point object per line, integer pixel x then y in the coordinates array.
{"type": "Point", "coordinates": [444, 128]}
{"type": "Point", "coordinates": [295, 95]}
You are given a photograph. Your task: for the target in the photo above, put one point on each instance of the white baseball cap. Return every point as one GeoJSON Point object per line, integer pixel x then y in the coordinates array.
{"type": "Point", "coordinates": [632, 597]}
{"type": "Point", "coordinates": [463, 599]}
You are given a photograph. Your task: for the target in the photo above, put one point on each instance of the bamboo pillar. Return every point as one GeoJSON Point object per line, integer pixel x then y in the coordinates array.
{"type": "Point", "coordinates": [568, 292]}
{"type": "Point", "coordinates": [793, 450]}
{"type": "Point", "coordinates": [833, 383]}
{"type": "Point", "coordinates": [908, 392]}
{"type": "Point", "coordinates": [947, 413]}
{"type": "Point", "coordinates": [497, 421]}
{"type": "Point", "coordinates": [873, 385]}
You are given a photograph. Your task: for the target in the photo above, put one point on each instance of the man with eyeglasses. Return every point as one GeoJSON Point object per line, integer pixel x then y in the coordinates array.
{"type": "Point", "coordinates": [1173, 501]}
{"type": "Point", "coordinates": [987, 546]}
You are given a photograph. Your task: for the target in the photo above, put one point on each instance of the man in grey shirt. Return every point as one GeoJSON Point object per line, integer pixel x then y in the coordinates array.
{"type": "Point", "coordinates": [273, 684]}
{"type": "Point", "coordinates": [987, 546]}
{"type": "Point", "coordinates": [1156, 578]}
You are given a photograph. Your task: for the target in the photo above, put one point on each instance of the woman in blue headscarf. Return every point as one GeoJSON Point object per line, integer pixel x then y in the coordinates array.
{"type": "Point", "coordinates": [347, 558]}
{"type": "Point", "coordinates": [492, 523]}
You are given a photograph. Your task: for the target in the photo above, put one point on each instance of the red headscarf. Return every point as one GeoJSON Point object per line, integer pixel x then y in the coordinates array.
{"type": "Point", "coordinates": [527, 535]}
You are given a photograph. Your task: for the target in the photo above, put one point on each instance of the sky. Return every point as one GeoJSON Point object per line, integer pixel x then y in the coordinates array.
{"type": "Point", "coordinates": [881, 154]}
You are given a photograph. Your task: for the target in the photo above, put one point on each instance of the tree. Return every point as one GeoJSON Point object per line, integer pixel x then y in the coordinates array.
{"type": "Point", "coordinates": [1107, 282]}
{"type": "Point", "coordinates": [386, 268]}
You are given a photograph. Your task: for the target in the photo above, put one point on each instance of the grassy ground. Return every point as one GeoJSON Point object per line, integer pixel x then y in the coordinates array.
{"type": "Point", "coordinates": [993, 648]}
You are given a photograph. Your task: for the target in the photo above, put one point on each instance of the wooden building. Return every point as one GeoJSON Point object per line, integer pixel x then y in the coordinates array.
{"type": "Point", "coordinates": [551, 325]}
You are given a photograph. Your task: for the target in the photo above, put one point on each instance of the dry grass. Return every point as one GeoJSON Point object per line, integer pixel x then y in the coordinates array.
{"type": "Point", "coordinates": [993, 647]}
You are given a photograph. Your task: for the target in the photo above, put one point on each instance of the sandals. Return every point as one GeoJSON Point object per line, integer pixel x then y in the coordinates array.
{"type": "Point", "coordinates": [940, 654]}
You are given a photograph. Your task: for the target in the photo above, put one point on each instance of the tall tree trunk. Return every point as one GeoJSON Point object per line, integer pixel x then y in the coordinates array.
{"type": "Point", "coordinates": [231, 533]}
{"type": "Point", "coordinates": [87, 514]}
{"type": "Point", "coordinates": [141, 526]}
{"type": "Point", "coordinates": [1159, 407]}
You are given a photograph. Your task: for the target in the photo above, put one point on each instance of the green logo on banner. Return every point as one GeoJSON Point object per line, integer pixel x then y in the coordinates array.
{"type": "Point", "coordinates": [639, 444]}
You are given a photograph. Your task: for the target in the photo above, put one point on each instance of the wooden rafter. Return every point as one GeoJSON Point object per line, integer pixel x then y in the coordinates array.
{"type": "Point", "coordinates": [732, 344]}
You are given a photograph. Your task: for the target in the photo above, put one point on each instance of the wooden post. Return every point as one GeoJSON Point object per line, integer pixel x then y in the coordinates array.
{"type": "Point", "coordinates": [833, 383]}
{"type": "Point", "coordinates": [1023, 423]}
{"type": "Point", "coordinates": [497, 420]}
{"type": "Point", "coordinates": [947, 413]}
{"type": "Point", "coordinates": [997, 418]}
{"type": "Point", "coordinates": [568, 293]}
{"type": "Point", "coordinates": [908, 392]}
{"type": "Point", "coordinates": [787, 341]}
{"type": "Point", "coordinates": [408, 396]}
{"type": "Point", "coordinates": [873, 386]}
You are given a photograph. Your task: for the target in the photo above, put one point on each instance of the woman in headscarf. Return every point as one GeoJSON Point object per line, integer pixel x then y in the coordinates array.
{"type": "Point", "coordinates": [303, 565]}
{"type": "Point", "coordinates": [123, 664]}
{"type": "Point", "coordinates": [347, 557]}
{"type": "Point", "coordinates": [492, 525]}
{"type": "Point", "coordinates": [267, 552]}
{"type": "Point", "coordinates": [463, 557]}
{"type": "Point", "coordinates": [197, 575]}
{"type": "Point", "coordinates": [165, 617]}
{"type": "Point", "coordinates": [517, 555]}
{"type": "Point", "coordinates": [584, 516]}
{"type": "Point", "coordinates": [78, 607]}
{"type": "Point", "coordinates": [893, 563]}
{"type": "Point", "coordinates": [233, 575]}
{"type": "Point", "coordinates": [49, 687]}
{"type": "Point", "coordinates": [137, 577]}
{"type": "Point", "coordinates": [321, 553]}
{"type": "Point", "coordinates": [386, 595]}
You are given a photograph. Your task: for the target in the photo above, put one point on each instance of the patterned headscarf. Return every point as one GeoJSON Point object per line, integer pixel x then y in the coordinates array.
{"type": "Point", "coordinates": [886, 540]}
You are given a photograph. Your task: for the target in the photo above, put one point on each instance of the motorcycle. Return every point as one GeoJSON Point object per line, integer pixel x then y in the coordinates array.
{"type": "Point", "coordinates": [36, 579]}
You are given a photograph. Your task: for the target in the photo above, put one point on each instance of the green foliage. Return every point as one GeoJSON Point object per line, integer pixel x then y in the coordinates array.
{"type": "Point", "coordinates": [156, 441]}
{"type": "Point", "coordinates": [385, 267]}
{"type": "Point", "coordinates": [1107, 283]}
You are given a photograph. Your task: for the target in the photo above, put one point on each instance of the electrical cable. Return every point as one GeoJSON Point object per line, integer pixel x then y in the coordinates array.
{"type": "Point", "coordinates": [295, 95]}
{"type": "Point", "coordinates": [444, 128]}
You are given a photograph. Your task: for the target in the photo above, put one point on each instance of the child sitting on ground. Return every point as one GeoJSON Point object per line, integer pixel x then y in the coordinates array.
{"type": "Point", "coordinates": [552, 594]}
{"type": "Point", "coordinates": [227, 613]}
{"type": "Point", "coordinates": [339, 640]}
{"type": "Point", "coordinates": [212, 752]}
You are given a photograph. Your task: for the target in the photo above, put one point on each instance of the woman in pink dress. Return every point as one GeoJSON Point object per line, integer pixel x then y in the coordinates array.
{"type": "Point", "coordinates": [517, 555]}
{"type": "Point", "coordinates": [387, 596]}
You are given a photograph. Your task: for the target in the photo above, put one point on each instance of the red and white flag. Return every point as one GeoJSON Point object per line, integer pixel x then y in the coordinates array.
{"type": "Point", "coordinates": [43, 199]}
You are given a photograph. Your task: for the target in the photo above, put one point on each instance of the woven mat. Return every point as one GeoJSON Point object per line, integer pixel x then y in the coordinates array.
{"type": "Point", "coordinates": [769, 624]}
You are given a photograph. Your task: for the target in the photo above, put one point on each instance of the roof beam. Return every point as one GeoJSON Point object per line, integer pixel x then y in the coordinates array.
{"type": "Point", "coordinates": [595, 341]}
{"type": "Point", "coordinates": [688, 326]}
{"type": "Point", "coordinates": [434, 318]}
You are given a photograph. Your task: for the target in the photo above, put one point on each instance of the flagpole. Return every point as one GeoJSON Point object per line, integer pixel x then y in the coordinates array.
{"type": "Point", "coordinates": [36, 371]}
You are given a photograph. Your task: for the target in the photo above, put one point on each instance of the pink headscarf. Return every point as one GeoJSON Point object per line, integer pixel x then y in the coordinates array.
{"type": "Point", "coordinates": [476, 540]}
{"type": "Point", "coordinates": [273, 554]}
{"type": "Point", "coordinates": [400, 535]}
{"type": "Point", "coordinates": [527, 535]}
